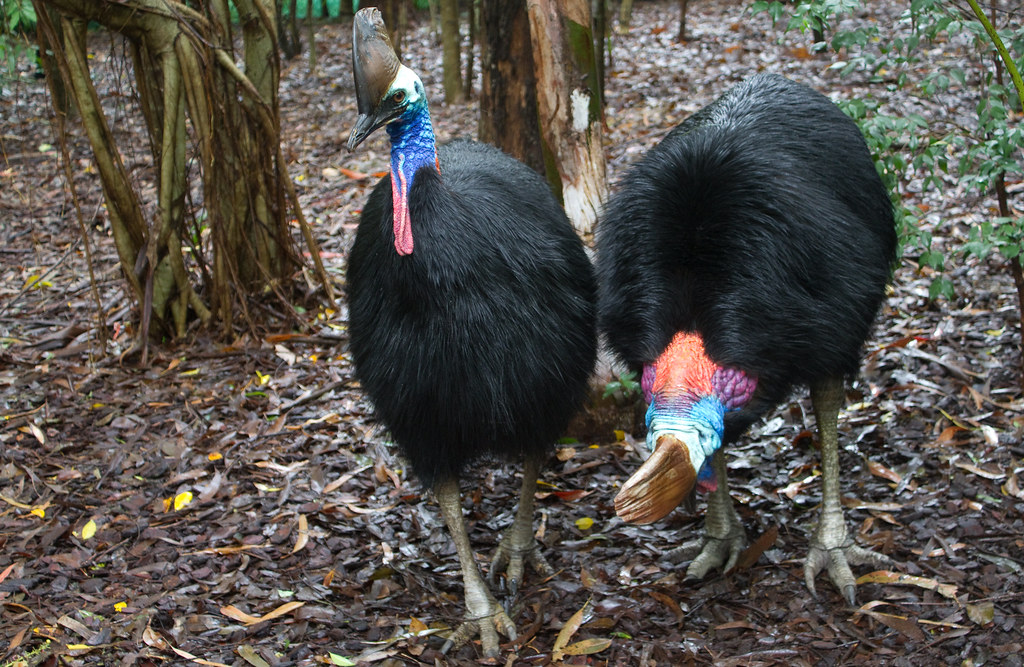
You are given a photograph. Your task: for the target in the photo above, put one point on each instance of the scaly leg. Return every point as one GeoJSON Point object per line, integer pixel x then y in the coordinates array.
{"type": "Point", "coordinates": [830, 546]}
{"type": "Point", "coordinates": [724, 537]}
{"type": "Point", "coordinates": [484, 616]}
{"type": "Point", "coordinates": [517, 547]}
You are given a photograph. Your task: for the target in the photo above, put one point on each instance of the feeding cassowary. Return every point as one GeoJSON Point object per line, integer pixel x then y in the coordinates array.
{"type": "Point", "coordinates": [472, 315]}
{"type": "Point", "coordinates": [746, 254]}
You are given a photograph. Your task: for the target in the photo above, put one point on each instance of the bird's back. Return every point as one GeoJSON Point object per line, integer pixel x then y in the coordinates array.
{"type": "Point", "coordinates": [481, 341]}
{"type": "Point", "coordinates": [761, 223]}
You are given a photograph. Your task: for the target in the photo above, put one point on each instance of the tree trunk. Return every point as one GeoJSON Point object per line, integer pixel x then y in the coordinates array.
{"type": "Point", "coordinates": [291, 44]}
{"type": "Point", "coordinates": [625, 14]}
{"type": "Point", "coordinates": [396, 15]}
{"type": "Point", "coordinates": [63, 100]}
{"type": "Point", "coordinates": [569, 101]}
{"type": "Point", "coordinates": [311, 37]}
{"type": "Point", "coordinates": [600, 24]}
{"type": "Point", "coordinates": [451, 43]}
{"type": "Point", "coordinates": [238, 235]}
{"type": "Point", "coordinates": [474, 18]}
{"type": "Point", "coordinates": [681, 37]}
{"type": "Point", "coordinates": [508, 89]}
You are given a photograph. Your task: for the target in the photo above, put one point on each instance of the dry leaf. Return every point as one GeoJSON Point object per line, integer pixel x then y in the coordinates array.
{"type": "Point", "coordinates": [250, 655]}
{"type": "Point", "coordinates": [587, 646]}
{"type": "Point", "coordinates": [982, 613]}
{"type": "Point", "coordinates": [1012, 487]}
{"type": "Point", "coordinates": [231, 611]}
{"type": "Point", "coordinates": [980, 472]}
{"type": "Point", "coordinates": [669, 602]}
{"type": "Point", "coordinates": [354, 175]}
{"type": "Point", "coordinates": [896, 578]}
{"type": "Point", "coordinates": [901, 624]}
{"type": "Point", "coordinates": [879, 470]}
{"type": "Point", "coordinates": [151, 637]}
{"type": "Point", "coordinates": [234, 612]}
{"type": "Point", "coordinates": [569, 629]}
{"type": "Point", "coordinates": [752, 553]}
{"type": "Point", "coordinates": [303, 537]}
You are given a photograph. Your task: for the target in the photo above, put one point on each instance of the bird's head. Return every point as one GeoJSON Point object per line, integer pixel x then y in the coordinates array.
{"type": "Point", "coordinates": [689, 395]}
{"type": "Point", "coordinates": [386, 90]}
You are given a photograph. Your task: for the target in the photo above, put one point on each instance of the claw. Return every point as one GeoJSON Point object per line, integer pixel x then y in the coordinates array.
{"type": "Point", "coordinates": [513, 561]}
{"type": "Point", "coordinates": [837, 560]}
{"type": "Point", "coordinates": [487, 628]}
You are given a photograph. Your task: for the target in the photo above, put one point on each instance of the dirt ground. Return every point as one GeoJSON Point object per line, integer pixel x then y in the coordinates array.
{"type": "Point", "coordinates": [238, 504]}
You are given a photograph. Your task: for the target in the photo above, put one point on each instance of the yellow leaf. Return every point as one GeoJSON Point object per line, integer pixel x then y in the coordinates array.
{"type": "Point", "coordinates": [88, 530]}
{"type": "Point", "coordinates": [587, 646]}
{"type": "Point", "coordinates": [417, 626]}
{"type": "Point", "coordinates": [120, 606]}
{"type": "Point", "coordinates": [182, 499]}
{"type": "Point", "coordinates": [584, 523]}
{"type": "Point", "coordinates": [619, 435]}
{"type": "Point", "coordinates": [263, 378]}
{"type": "Point", "coordinates": [39, 512]}
{"type": "Point", "coordinates": [215, 456]}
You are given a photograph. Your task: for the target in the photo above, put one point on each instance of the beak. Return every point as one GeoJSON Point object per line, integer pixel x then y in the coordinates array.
{"type": "Point", "coordinates": [365, 125]}
{"type": "Point", "coordinates": [374, 67]}
{"type": "Point", "coordinates": [659, 485]}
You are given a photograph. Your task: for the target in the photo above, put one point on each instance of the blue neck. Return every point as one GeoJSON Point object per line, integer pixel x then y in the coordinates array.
{"type": "Point", "coordinates": [688, 408]}
{"type": "Point", "coordinates": [412, 142]}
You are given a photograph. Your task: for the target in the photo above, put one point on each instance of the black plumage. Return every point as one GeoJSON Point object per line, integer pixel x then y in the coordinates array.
{"type": "Point", "coordinates": [761, 224]}
{"type": "Point", "coordinates": [481, 341]}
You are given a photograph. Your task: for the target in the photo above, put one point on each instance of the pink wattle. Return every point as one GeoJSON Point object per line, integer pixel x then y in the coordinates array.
{"type": "Point", "coordinates": [402, 222]}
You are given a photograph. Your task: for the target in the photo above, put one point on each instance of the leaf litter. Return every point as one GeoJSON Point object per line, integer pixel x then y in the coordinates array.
{"type": "Point", "coordinates": [238, 505]}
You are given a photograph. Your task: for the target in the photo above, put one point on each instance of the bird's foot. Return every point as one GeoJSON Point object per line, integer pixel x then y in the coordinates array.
{"type": "Point", "coordinates": [837, 559]}
{"type": "Point", "coordinates": [710, 552]}
{"type": "Point", "coordinates": [512, 559]}
{"type": "Point", "coordinates": [485, 621]}
{"type": "Point", "coordinates": [724, 538]}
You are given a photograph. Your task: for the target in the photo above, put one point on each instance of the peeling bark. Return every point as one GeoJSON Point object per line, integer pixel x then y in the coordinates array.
{"type": "Point", "coordinates": [570, 105]}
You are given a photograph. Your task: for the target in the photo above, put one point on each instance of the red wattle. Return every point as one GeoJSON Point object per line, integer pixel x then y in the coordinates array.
{"type": "Point", "coordinates": [402, 222]}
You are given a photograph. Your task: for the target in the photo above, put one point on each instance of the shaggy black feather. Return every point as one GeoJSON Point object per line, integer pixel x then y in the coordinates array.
{"type": "Point", "coordinates": [481, 342]}
{"type": "Point", "coordinates": [761, 223]}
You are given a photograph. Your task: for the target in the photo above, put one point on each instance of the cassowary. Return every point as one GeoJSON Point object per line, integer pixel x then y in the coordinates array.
{"type": "Point", "coordinates": [472, 311]}
{"type": "Point", "coordinates": [746, 254]}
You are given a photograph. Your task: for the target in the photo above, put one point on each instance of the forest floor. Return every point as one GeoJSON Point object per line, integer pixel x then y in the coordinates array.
{"type": "Point", "coordinates": [239, 505]}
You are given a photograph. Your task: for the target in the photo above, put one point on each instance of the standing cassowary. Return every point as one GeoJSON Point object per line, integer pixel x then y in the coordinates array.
{"type": "Point", "coordinates": [471, 311]}
{"type": "Point", "coordinates": [746, 254]}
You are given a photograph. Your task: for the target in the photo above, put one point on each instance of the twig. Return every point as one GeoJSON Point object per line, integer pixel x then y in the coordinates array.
{"type": "Point", "coordinates": [312, 395]}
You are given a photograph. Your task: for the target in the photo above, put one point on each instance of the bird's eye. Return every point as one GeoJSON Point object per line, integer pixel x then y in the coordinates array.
{"type": "Point", "coordinates": [398, 97]}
